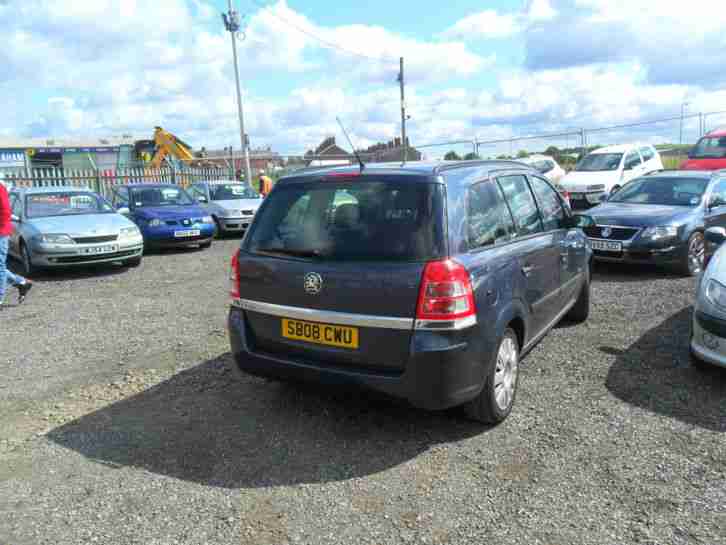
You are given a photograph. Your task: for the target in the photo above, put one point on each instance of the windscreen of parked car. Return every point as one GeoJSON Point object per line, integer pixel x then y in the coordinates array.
{"type": "Point", "coordinates": [43, 205]}
{"type": "Point", "coordinates": [365, 219]}
{"type": "Point", "coordinates": [159, 196]}
{"type": "Point", "coordinates": [709, 148]}
{"type": "Point", "coordinates": [231, 192]}
{"type": "Point", "coordinates": [599, 162]}
{"type": "Point", "coordinates": [663, 191]}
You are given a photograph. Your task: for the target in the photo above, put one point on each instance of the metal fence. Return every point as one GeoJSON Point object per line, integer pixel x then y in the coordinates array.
{"type": "Point", "coordinates": [104, 181]}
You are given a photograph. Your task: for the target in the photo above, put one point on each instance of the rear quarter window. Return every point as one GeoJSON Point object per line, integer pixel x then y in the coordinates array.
{"type": "Point", "coordinates": [357, 219]}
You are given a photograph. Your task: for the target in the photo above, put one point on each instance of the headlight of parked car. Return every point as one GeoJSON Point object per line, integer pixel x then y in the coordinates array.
{"type": "Point", "coordinates": [56, 239]}
{"type": "Point", "coordinates": [716, 293]}
{"type": "Point", "coordinates": [207, 219]}
{"type": "Point", "coordinates": [128, 232]}
{"type": "Point", "coordinates": [154, 223]}
{"type": "Point", "coordinates": [656, 233]}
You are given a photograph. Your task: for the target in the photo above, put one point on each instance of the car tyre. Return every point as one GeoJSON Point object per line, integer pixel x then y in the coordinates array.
{"type": "Point", "coordinates": [496, 399]}
{"type": "Point", "coordinates": [693, 258]}
{"type": "Point", "coordinates": [135, 262]}
{"type": "Point", "coordinates": [581, 309]}
{"type": "Point", "coordinates": [26, 261]}
{"type": "Point", "coordinates": [205, 245]}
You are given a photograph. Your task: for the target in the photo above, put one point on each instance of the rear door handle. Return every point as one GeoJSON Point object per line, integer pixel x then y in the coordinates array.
{"type": "Point", "coordinates": [527, 269]}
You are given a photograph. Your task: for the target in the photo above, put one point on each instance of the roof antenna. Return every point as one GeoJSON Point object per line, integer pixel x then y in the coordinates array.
{"type": "Point", "coordinates": [355, 152]}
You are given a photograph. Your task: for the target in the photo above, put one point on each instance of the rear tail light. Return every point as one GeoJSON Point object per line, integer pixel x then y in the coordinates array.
{"type": "Point", "coordinates": [234, 277]}
{"type": "Point", "coordinates": [445, 293]}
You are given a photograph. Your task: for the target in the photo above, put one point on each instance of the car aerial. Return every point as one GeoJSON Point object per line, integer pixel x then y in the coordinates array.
{"type": "Point", "coordinates": [708, 326]}
{"type": "Point", "coordinates": [606, 170]}
{"type": "Point", "coordinates": [660, 219]}
{"type": "Point", "coordinates": [166, 215]}
{"type": "Point", "coordinates": [427, 281]}
{"type": "Point", "coordinates": [231, 204]}
{"type": "Point", "coordinates": [65, 226]}
{"type": "Point", "coordinates": [709, 153]}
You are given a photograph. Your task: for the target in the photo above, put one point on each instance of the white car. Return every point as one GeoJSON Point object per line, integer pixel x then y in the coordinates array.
{"type": "Point", "coordinates": [708, 332]}
{"type": "Point", "coordinates": [546, 166]}
{"type": "Point", "coordinates": [605, 170]}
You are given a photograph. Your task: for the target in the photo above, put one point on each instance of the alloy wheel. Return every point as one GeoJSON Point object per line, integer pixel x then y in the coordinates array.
{"type": "Point", "coordinates": [505, 374]}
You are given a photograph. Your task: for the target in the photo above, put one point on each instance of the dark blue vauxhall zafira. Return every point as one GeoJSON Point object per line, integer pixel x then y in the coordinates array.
{"type": "Point", "coordinates": [425, 281]}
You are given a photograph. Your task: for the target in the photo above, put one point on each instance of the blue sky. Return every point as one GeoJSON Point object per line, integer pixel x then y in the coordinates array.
{"type": "Point", "coordinates": [490, 71]}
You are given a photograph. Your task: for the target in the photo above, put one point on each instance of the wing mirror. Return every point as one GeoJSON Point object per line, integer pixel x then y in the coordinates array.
{"type": "Point", "coordinates": [202, 199]}
{"type": "Point", "coordinates": [715, 202]}
{"type": "Point", "coordinates": [123, 210]}
{"type": "Point", "coordinates": [15, 218]}
{"type": "Point", "coordinates": [715, 235]}
{"type": "Point", "coordinates": [580, 221]}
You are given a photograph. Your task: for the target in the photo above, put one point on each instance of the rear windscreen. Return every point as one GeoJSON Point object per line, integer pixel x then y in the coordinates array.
{"type": "Point", "coordinates": [361, 219]}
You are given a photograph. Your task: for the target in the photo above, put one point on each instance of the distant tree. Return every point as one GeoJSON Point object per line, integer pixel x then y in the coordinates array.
{"type": "Point", "coordinates": [521, 154]}
{"type": "Point", "coordinates": [502, 156]}
{"type": "Point", "coordinates": [452, 156]}
{"type": "Point", "coordinates": [471, 156]}
{"type": "Point", "coordinates": [553, 151]}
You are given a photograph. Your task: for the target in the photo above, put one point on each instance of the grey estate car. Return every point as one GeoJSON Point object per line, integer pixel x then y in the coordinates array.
{"type": "Point", "coordinates": [231, 204]}
{"type": "Point", "coordinates": [65, 226]}
{"type": "Point", "coordinates": [426, 281]}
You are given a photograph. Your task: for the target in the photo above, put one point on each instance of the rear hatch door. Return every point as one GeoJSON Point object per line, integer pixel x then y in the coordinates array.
{"type": "Point", "coordinates": [330, 271]}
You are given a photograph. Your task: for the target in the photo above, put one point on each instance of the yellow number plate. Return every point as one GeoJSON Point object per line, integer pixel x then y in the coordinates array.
{"type": "Point", "coordinates": [331, 335]}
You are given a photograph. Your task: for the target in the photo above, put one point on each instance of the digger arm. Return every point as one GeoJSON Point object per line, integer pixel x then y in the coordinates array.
{"type": "Point", "coordinates": [168, 144]}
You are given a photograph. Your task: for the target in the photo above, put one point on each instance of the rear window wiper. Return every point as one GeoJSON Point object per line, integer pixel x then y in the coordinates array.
{"type": "Point", "coordinates": [293, 253]}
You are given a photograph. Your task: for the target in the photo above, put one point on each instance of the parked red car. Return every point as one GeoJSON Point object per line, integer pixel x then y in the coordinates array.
{"type": "Point", "coordinates": [709, 153]}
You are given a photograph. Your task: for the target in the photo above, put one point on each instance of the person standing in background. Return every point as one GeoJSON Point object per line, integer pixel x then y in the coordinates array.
{"type": "Point", "coordinates": [265, 185]}
{"type": "Point", "coordinates": [6, 229]}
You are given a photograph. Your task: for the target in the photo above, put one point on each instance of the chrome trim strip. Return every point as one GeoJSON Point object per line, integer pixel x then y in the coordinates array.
{"type": "Point", "coordinates": [446, 325]}
{"type": "Point", "coordinates": [324, 316]}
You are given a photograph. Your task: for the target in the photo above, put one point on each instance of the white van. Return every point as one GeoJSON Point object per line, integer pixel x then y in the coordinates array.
{"type": "Point", "coordinates": [606, 170]}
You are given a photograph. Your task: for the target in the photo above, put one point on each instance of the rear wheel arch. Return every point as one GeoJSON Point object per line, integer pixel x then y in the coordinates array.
{"type": "Point", "coordinates": [517, 324]}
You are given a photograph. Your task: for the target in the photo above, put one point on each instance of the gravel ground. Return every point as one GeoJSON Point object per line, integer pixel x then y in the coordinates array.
{"type": "Point", "coordinates": [120, 422]}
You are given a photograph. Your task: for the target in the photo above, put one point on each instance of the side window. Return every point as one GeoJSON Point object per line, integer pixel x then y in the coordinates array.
{"type": "Point", "coordinates": [632, 160]}
{"type": "Point", "coordinates": [550, 206]}
{"type": "Point", "coordinates": [489, 219]}
{"type": "Point", "coordinates": [521, 202]}
{"type": "Point", "coordinates": [121, 197]}
{"type": "Point", "coordinates": [197, 191]}
{"type": "Point", "coordinates": [647, 153]}
{"type": "Point", "coordinates": [718, 194]}
{"type": "Point", "coordinates": [15, 205]}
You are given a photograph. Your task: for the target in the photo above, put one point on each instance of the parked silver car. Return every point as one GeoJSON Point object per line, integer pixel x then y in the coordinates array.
{"type": "Point", "coordinates": [231, 204]}
{"type": "Point", "coordinates": [708, 331]}
{"type": "Point", "coordinates": [65, 226]}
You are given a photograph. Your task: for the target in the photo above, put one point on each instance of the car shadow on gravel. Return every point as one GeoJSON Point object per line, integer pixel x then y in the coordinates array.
{"type": "Point", "coordinates": [655, 374]}
{"type": "Point", "coordinates": [626, 272]}
{"type": "Point", "coordinates": [206, 426]}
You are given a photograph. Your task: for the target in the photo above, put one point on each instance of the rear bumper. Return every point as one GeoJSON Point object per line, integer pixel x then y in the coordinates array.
{"type": "Point", "coordinates": [439, 373]}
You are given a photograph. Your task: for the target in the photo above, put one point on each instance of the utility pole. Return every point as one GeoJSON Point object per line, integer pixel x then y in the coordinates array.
{"type": "Point", "coordinates": [683, 111]}
{"type": "Point", "coordinates": [403, 114]}
{"type": "Point", "coordinates": [231, 23]}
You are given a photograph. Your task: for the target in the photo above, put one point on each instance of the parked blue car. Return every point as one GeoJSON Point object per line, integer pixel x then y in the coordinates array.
{"type": "Point", "coordinates": [166, 215]}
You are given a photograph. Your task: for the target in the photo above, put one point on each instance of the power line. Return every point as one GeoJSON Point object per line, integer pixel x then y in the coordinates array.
{"type": "Point", "coordinates": [328, 43]}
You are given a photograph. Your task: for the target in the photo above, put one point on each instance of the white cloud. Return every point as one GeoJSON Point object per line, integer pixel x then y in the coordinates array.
{"type": "Point", "coordinates": [485, 24]}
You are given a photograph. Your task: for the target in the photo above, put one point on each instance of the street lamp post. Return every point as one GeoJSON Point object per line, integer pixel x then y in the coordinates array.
{"type": "Point", "coordinates": [683, 113]}
{"type": "Point", "coordinates": [231, 23]}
